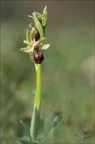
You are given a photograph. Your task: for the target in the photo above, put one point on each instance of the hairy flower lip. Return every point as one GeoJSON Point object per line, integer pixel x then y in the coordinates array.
{"type": "Point", "coordinates": [38, 56]}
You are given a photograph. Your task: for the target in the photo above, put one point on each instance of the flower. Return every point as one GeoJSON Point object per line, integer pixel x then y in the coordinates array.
{"type": "Point", "coordinates": [33, 47]}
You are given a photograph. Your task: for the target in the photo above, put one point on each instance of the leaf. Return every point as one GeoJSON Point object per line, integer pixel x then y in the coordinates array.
{"type": "Point", "coordinates": [26, 129]}
{"type": "Point", "coordinates": [55, 124]}
{"type": "Point", "coordinates": [26, 140]}
{"type": "Point", "coordinates": [34, 128]}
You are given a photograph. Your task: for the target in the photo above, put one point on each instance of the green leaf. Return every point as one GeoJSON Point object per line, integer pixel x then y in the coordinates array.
{"type": "Point", "coordinates": [34, 128]}
{"type": "Point", "coordinates": [26, 129]}
{"type": "Point", "coordinates": [26, 140]}
{"type": "Point", "coordinates": [55, 124]}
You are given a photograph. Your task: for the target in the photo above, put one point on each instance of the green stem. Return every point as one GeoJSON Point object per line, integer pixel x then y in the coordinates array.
{"type": "Point", "coordinates": [35, 121]}
{"type": "Point", "coordinates": [37, 101]}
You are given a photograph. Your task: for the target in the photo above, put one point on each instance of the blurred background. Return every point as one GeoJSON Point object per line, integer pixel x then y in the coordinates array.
{"type": "Point", "coordinates": [68, 70]}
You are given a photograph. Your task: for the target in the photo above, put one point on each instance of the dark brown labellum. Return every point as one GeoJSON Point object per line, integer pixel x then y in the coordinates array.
{"type": "Point", "coordinates": [38, 56]}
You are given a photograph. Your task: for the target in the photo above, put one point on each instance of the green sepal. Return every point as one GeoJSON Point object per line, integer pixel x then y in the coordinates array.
{"type": "Point", "coordinates": [44, 16]}
{"type": "Point", "coordinates": [45, 10]}
{"type": "Point", "coordinates": [38, 25]}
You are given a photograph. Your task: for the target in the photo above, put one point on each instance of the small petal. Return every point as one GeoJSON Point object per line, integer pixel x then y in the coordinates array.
{"type": "Point", "coordinates": [45, 46]}
{"type": "Point", "coordinates": [30, 16]}
{"type": "Point", "coordinates": [28, 42]}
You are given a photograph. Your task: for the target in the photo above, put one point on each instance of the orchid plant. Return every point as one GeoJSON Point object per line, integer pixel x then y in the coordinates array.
{"type": "Point", "coordinates": [34, 41]}
{"type": "Point", "coordinates": [35, 38]}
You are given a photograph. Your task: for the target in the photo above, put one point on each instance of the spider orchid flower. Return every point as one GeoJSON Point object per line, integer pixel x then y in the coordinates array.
{"type": "Point", "coordinates": [33, 48]}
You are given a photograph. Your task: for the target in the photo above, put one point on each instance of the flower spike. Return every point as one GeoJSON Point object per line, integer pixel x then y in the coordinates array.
{"type": "Point", "coordinates": [36, 36]}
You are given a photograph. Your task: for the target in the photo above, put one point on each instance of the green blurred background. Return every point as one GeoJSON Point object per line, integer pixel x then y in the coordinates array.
{"type": "Point", "coordinates": [68, 69]}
